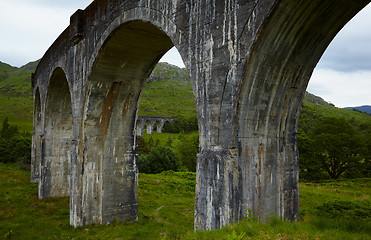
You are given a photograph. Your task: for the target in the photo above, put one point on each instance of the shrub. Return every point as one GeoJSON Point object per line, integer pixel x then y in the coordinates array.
{"type": "Point", "coordinates": [144, 165]}
{"type": "Point", "coordinates": [345, 209]}
{"type": "Point", "coordinates": [14, 147]}
{"type": "Point", "coordinates": [181, 125]}
{"type": "Point", "coordinates": [161, 158]}
{"type": "Point", "coordinates": [187, 149]}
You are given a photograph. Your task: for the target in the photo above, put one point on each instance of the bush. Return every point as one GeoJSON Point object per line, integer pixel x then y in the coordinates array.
{"type": "Point", "coordinates": [181, 125]}
{"type": "Point", "coordinates": [161, 158]}
{"type": "Point", "coordinates": [187, 149]}
{"type": "Point", "coordinates": [360, 209]}
{"type": "Point", "coordinates": [144, 165]}
{"type": "Point", "coordinates": [14, 147]}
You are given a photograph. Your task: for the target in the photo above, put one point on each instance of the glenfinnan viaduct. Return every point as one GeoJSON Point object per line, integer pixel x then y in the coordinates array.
{"type": "Point", "coordinates": [249, 62]}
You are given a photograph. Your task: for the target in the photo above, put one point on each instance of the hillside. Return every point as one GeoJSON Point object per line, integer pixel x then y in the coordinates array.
{"type": "Point", "coordinates": [168, 93]}
{"type": "Point", "coordinates": [16, 94]}
{"type": "Point", "coordinates": [364, 108]}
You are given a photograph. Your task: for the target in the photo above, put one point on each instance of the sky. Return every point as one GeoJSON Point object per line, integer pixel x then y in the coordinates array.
{"type": "Point", "coordinates": [342, 77]}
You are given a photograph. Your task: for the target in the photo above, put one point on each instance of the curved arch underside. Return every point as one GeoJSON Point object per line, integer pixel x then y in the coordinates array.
{"type": "Point", "coordinates": [283, 57]}
{"type": "Point", "coordinates": [249, 62]}
{"type": "Point", "coordinates": [118, 76]}
{"type": "Point", "coordinates": [55, 142]}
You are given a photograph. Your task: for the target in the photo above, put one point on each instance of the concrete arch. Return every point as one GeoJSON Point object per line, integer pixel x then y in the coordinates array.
{"type": "Point", "coordinates": [283, 57]}
{"type": "Point", "coordinates": [117, 78]}
{"type": "Point", "coordinates": [249, 63]}
{"type": "Point", "coordinates": [55, 141]}
{"type": "Point", "coordinates": [147, 14]}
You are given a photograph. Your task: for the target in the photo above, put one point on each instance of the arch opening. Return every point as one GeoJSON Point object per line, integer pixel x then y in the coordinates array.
{"type": "Point", "coordinates": [341, 76]}
{"type": "Point", "coordinates": [56, 141]}
{"type": "Point", "coordinates": [118, 76]}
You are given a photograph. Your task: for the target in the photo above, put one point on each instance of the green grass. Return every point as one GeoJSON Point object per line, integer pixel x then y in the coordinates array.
{"type": "Point", "coordinates": [330, 111]}
{"type": "Point", "coordinates": [167, 99]}
{"type": "Point", "coordinates": [162, 138]}
{"type": "Point", "coordinates": [166, 208]}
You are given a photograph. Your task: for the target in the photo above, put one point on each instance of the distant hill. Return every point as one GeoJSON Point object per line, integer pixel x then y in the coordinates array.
{"type": "Point", "coordinates": [16, 94]}
{"type": "Point", "coordinates": [364, 108]}
{"type": "Point", "coordinates": [168, 93]}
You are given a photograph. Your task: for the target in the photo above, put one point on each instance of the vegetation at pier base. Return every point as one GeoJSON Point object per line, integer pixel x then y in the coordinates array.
{"type": "Point", "coordinates": [329, 210]}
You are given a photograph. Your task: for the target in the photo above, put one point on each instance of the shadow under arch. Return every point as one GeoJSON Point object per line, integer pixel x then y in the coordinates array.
{"type": "Point", "coordinates": [36, 138]}
{"type": "Point", "coordinates": [117, 78]}
{"type": "Point", "coordinates": [282, 60]}
{"type": "Point", "coordinates": [56, 141]}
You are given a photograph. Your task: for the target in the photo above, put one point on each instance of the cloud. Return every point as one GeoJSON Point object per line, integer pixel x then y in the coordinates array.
{"type": "Point", "coordinates": [172, 56]}
{"type": "Point", "coordinates": [343, 89]}
{"type": "Point", "coordinates": [351, 48]}
{"type": "Point", "coordinates": [61, 4]}
{"type": "Point", "coordinates": [343, 75]}
{"type": "Point", "coordinates": [28, 28]}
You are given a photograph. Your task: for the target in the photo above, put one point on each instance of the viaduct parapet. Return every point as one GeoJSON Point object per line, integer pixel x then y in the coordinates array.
{"type": "Point", "coordinates": [249, 63]}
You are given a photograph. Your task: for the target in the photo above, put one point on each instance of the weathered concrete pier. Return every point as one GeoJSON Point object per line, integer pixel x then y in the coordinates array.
{"type": "Point", "coordinates": [249, 62]}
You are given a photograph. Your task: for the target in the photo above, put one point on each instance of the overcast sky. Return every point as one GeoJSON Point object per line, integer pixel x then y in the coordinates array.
{"type": "Point", "coordinates": [342, 77]}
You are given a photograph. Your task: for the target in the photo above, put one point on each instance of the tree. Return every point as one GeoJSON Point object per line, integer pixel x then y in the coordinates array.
{"type": "Point", "coordinates": [310, 167]}
{"type": "Point", "coordinates": [144, 165]}
{"type": "Point", "coordinates": [8, 131]}
{"type": "Point", "coordinates": [161, 158]}
{"type": "Point", "coordinates": [338, 146]}
{"type": "Point", "coordinates": [187, 150]}
{"type": "Point", "coordinates": [14, 147]}
{"type": "Point", "coordinates": [181, 125]}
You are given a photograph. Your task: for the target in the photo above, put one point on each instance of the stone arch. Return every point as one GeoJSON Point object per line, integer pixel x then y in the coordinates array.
{"type": "Point", "coordinates": [249, 62]}
{"type": "Point", "coordinates": [148, 125]}
{"type": "Point", "coordinates": [55, 143]}
{"type": "Point", "coordinates": [289, 45]}
{"type": "Point", "coordinates": [139, 127]}
{"type": "Point", "coordinates": [114, 87]}
{"type": "Point", "coordinates": [154, 128]}
{"type": "Point", "coordinates": [36, 138]}
{"type": "Point", "coordinates": [147, 15]}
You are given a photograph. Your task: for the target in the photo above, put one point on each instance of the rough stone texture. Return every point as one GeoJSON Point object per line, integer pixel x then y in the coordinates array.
{"type": "Point", "coordinates": [249, 63]}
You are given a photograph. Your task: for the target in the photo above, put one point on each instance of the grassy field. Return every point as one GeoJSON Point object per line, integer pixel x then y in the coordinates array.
{"type": "Point", "coordinates": [329, 210]}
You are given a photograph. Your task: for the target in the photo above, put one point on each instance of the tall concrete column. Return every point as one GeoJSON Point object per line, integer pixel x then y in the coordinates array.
{"type": "Point", "coordinates": [249, 88]}
{"type": "Point", "coordinates": [150, 125]}
{"type": "Point", "coordinates": [160, 125]}
{"type": "Point", "coordinates": [140, 127]}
